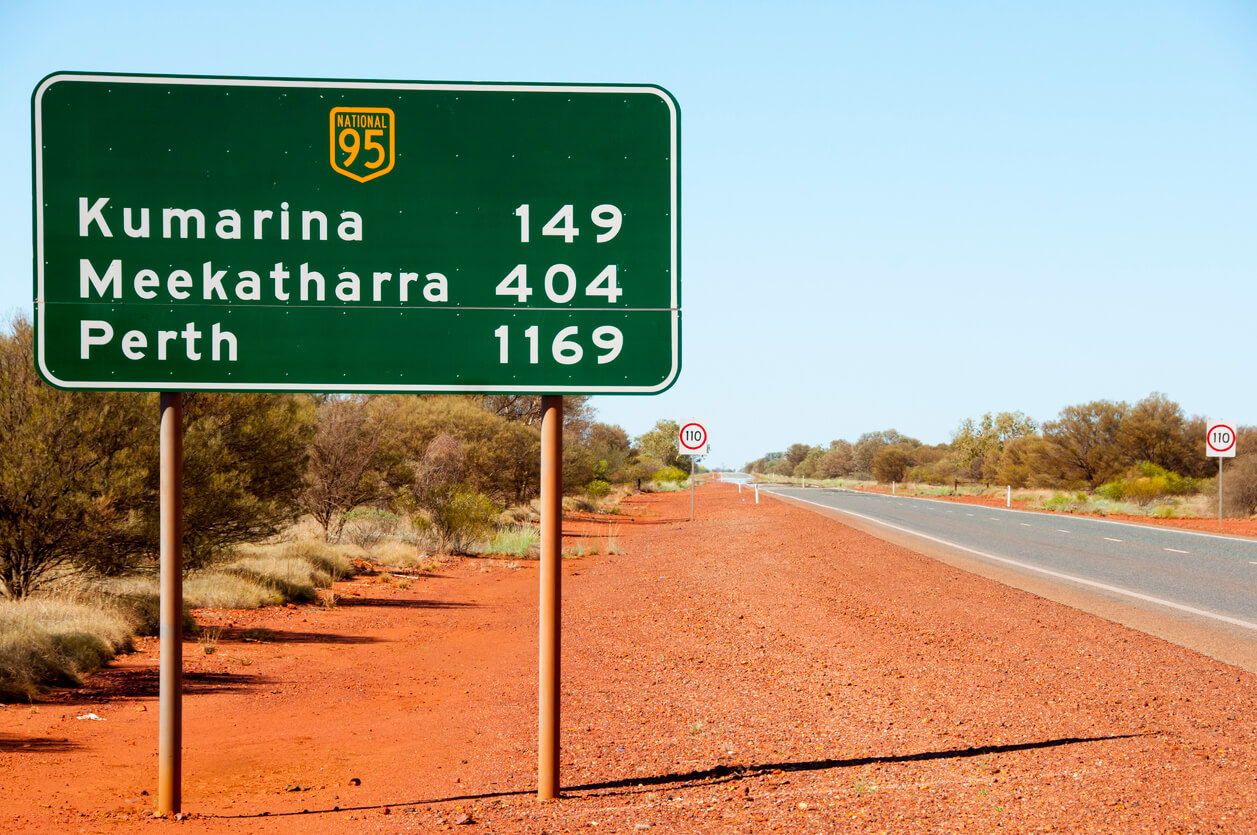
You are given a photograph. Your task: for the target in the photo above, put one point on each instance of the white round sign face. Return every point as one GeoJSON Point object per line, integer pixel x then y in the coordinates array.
{"type": "Point", "coordinates": [692, 438]}
{"type": "Point", "coordinates": [1220, 440]}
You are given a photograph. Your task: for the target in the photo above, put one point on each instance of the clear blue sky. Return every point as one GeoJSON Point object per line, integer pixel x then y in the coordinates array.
{"type": "Point", "coordinates": [895, 214]}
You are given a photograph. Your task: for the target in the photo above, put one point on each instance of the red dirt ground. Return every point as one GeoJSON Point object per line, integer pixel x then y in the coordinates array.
{"type": "Point", "coordinates": [761, 669]}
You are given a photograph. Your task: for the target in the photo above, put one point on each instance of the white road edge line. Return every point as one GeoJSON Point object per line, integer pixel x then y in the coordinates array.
{"type": "Point", "coordinates": [1060, 576]}
{"type": "Point", "coordinates": [1177, 551]}
{"type": "Point", "coordinates": [1111, 539]}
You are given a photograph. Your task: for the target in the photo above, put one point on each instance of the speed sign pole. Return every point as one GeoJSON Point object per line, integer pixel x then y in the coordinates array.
{"type": "Point", "coordinates": [1220, 443]}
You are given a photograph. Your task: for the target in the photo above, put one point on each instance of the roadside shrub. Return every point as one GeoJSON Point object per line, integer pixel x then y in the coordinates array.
{"type": "Point", "coordinates": [367, 527]}
{"type": "Point", "coordinates": [1145, 483]}
{"type": "Point", "coordinates": [515, 541]}
{"type": "Point", "coordinates": [1239, 486]}
{"type": "Point", "coordinates": [669, 475]}
{"type": "Point", "coordinates": [294, 579]}
{"type": "Point", "coordinates": [56, 642]}
{"type": "Point", "coordinates": [395, 553]}
{"type": "Point", "coordinates": [598, 489]}
{"type": "Point", "coordinates": [139, 597]}
{"type": "Point", "coordinates": [322, 556]}
{"type": "Point", "coordinates": [1065, 503]}
{"type": "Point", "coordinates": [457, 518]}
{"type": "Point", "coordinates": [225, 590]}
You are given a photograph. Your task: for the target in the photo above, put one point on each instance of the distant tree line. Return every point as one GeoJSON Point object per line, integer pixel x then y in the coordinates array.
{"type": "Point", "coordinates": [1102, 445]}
{"type": "Point", "coordinates": [79, 471]}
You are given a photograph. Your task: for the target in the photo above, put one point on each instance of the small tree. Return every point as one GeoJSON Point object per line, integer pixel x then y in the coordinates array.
{"type": "Point", "coordinates": [1082, 443]}
{"type": "Point", "coordinates": [65, 468]}
{"type": "Point", "coordinates": [660, 443]}
{"type": "Point", "coordinates": [243, 460]}
{"type": "Point", "coordinates": [980, 444]}
{"type": "Point", "coordinates": [891, 463]}
{"type": "Point", "coordinates": [457, 514]}
{"type": "Point", "coordinates": [348, 465]}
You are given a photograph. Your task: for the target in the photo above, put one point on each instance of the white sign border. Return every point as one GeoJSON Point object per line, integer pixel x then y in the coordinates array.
{"type": "Point", "coordinates": [454, 86]}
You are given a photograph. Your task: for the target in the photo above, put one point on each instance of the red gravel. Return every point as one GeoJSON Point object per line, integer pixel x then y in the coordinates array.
{"type": "Point", "coordinates": [761, 669]}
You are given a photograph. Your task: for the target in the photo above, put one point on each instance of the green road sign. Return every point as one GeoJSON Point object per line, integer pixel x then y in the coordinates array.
{"type": "Point", "coordinates": [276, 234]}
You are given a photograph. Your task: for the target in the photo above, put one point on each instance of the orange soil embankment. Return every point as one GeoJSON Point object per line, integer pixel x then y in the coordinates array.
{"type": "Point", "coordinates": [760, 668]}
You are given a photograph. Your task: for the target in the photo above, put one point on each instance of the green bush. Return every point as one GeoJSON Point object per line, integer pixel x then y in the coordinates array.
{"type": "Point", "coordinates": [367, 527]}
{"type": "Point", "coordinates": [669, 474]}
{"type": "Point", "coordinates": [459, 518]}
{"type": "Point", "coordinates": [598, 489]}
{"type": "Point", "coordinates": [1145, 483]}
{"type": "Point", "coordinates": [514, 540]}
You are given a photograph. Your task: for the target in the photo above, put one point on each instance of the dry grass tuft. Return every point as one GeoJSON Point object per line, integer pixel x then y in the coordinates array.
{"type": "Point", "coordinates": [50, 641]}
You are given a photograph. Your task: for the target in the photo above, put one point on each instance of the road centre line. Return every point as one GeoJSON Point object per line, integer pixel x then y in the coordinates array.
{"type": "Point", "coordinates": [1062, 530]}
{"type": "Point", "coordinates": [1177, 551]}
{"type": "Point", "coordinates": [1059, 575]}
{"type": "Point", "coordinates": [1111, 539]}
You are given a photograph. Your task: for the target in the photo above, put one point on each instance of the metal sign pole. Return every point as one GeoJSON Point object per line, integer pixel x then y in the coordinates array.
{"type": "Point", "coordinates": [170, 677]}
{"type": "Point", "coordinates": [692, 488]}
{"type": "Point", "coordinates": [551, 596]}
{"type": "Point", "coordinates": [1219, 493]}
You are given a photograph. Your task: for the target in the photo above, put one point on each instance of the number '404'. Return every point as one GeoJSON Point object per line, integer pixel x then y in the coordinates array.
{"type": "Point", "coordinates": [560, 284]}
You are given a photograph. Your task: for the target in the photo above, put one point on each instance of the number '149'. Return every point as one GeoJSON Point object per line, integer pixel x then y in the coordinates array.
{"type": "Point", "coordinates": [565, 348]}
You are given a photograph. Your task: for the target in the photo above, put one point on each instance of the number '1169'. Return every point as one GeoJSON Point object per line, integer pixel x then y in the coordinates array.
{"type": "Point", "coordinates": [565, 347]}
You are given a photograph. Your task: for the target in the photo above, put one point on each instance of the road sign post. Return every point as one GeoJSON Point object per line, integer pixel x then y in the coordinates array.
{"type": "Point", "coordinates": [1220, 443]}
{"type": "Point", "coordinates": [549, 669]}
{"type": "Point", "coordinates": [170, 605]}
{"type": "Point", "coordinates": [254, 234]}
{"type": "Point", "coordinates": [692, 441]}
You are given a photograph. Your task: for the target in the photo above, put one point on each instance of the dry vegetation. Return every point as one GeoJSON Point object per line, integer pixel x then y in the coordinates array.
{"type": "Point", "coordinates": [1100, 457]}
{"type": "Point", "coordinates": [280, 492]}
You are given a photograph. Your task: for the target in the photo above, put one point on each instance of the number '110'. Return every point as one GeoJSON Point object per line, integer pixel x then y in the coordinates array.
{"type": "Point", "coordinates": [565, 348]}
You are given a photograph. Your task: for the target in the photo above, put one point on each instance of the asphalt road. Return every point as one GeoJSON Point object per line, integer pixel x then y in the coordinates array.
{"type": "Point", "coordinates": [1177, 583]}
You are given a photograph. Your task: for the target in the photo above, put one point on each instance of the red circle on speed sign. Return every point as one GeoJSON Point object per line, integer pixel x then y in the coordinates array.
{"type": "Point", "coordinates": [1225, 436]}
{"type": "Point", "coordinates": [693, 436]}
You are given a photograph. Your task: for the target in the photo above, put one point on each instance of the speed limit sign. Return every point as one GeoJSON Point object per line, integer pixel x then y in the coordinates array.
{"type": "Point", "coordinates": [1220, 440]}
{"type": "Point", "coordinates": [692, 439]}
